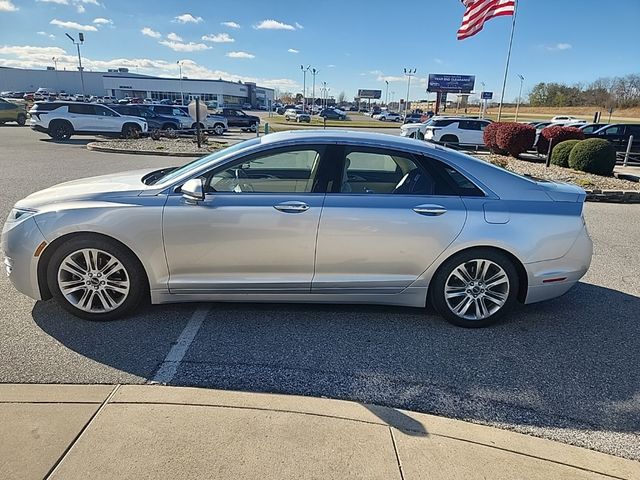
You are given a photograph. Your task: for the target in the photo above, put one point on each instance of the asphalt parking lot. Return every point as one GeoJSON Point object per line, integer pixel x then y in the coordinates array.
{"type": "Point", "coordinates": [566, 369]}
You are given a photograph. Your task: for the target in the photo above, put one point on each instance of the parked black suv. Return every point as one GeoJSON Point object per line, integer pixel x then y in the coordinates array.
{"type": "Point", "coordinates": [618, 134]}
{"type": "Point", "coordinates": [237, 118]}
{"type": "Point", "coordinates": [155, 121]}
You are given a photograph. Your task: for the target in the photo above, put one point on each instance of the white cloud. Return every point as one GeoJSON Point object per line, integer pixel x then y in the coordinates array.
{"type": "Point", "coordinates": [218, 38]}
{"type": "Point", "coordinates": [150, 33]}
{"type": "Point", "coordinates": [45, 34]}
{"type": "Point", "coordinates": [174, 37]}
{"type": "Point", "coordinates": [273, 25]}
{"type": "Point", "coordinates": [73, 25]}
{"type": "Point", "coordinates": [7, 6]}
{"type": "Point", "coordinates": [102, 21]}
{"type": "Point", "coordinates": [293, 50]}
{"type": "Point", "coordinates": [80, 8]}
{"type": "Point", "coordinates": [184, 47]}
{"type": "Point", "coordinates": [389, 78]}
{"type": "Point", "coordinates": [40, 57]}
{"type": "Point", "coordinates": [560, 46]}
{"type": "Point", "coordinates": [331, 65]}
{"type": "Point", "coordinates": [59, 2]}
{"type": "Point", "coordinates": [298, 26]}
{"type": "Point", "coordinates": [230, 24]}
{"type": "Point", "coordinates": [187, 18]}
{"type": "Point", "coordinates": [240, 55]}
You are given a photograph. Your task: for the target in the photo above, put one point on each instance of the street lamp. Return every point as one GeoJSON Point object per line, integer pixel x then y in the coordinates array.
{"type": "Point", "coordinates": [55, 63]}
{"type": "Point", "coordinates": [304, 86]}
{"type": "Point", "coordinates": [519, 97]}
{"type": "Point", "coordinates": [179, 63]}
{"type": "Point", "coordinates": [314, 72]}
{"type": "Point", "coordinates": [386, 96]}
{"type": "Point", "coordinates": [408, 72]}
{"type": "Point", "coordinates": [77, 44]}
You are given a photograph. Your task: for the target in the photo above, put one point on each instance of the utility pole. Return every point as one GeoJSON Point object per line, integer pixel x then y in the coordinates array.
{"type": "Point", "coordinates": [386, 96]}
{"type": "Point", "coordinates": [314, 72]}
{"type": "Point", "coordinates": [408, 72]}
{"type": "Point", "coordinates": [179, 63]}
{"type": "Point", "coordinates": [304, 86]}
{"type": "Point", "coordinates": [519, 97]}
{"type": "Point", "coordinates": [77, 44]}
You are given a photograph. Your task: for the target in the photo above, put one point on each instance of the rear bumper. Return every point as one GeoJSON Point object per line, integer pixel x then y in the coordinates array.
{"type": "Point", "coordinates": [553, 278]}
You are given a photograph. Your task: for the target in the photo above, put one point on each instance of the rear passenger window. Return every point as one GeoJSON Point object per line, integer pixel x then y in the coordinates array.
{"type": "Point", "coordinates": [82, 109]}
{"type": "Point", "coordinates": [464, 186]}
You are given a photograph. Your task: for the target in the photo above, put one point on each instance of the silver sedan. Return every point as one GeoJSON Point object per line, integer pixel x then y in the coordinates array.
{"type": "Point", "coordinates": [315, 216]}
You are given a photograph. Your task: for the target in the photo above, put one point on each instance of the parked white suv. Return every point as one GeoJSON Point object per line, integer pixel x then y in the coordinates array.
{"type": "Point", "coordinates": [462, 131]}
{"type": "Point", "coordinates": [417, 130]}
{"type": "Point", "coordinates": [61, 120]}
{"type": "Point", "coordinates": [386, 116]}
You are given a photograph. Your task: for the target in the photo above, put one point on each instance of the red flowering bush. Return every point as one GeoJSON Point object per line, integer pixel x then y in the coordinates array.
{"type": "Point", "coordinates": [489, 137]}
{"type": "Point", "coordinates": [557, 134]}
{"type": "Point", "coordinates": [515, 138]}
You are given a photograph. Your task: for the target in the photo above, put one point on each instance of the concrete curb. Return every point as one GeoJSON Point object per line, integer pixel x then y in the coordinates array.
{"type": "Point", "coordinates": [129, 431]}
{"type": "Point", "coordinates": [96, 147]}
{"type": "Point", "coordinates": [613, 196]}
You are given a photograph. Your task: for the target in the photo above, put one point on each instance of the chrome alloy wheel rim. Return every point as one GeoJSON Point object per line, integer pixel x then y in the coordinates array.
{"type": "Point", "coordinates": [476, 289]}
{"type": "Point", "coordinates": [93, 280]}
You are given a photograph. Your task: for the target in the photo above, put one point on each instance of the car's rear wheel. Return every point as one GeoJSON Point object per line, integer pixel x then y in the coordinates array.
{"type": "Point", "coordinates": [475, 288]}
{"type": "Point", "coordinates": [22, 119]}
{"type": "Point", "coordinates": [218, 129]}
{"type": "Point", "coordinates": [60, 130]}
{"type": "Point", "coordinates": [449, 139]}
{"type": "Point", "coordinates": [95, 279]}
{"type": "Point", "coordinates": [169, 127]}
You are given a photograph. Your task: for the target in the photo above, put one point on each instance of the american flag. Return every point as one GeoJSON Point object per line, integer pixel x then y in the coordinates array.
{"type": "Point", "coordinates": [479, 11]}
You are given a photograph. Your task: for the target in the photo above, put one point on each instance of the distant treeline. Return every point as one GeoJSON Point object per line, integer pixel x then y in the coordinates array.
{"type": "Point", "coordinates": [617, 92]}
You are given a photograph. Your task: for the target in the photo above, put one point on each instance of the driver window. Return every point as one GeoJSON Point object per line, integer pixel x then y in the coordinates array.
{"type": "Point", "coordinates": [284, 172]}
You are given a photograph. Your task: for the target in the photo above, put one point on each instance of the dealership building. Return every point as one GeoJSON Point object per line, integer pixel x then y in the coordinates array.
{"type": "Point", "coordinates": [121, 83]}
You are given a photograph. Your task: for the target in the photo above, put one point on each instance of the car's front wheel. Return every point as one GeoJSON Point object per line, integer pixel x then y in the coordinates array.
{"type": "Point", "coordinates": [254, 127]}
{"type": "Point", "coordinates": [96, 279]}
{"type": "Point", "coordinates": [218, 129]}
{"type": "Point", "coordinates": [475, 288]}
{"type": "Point", "coordinates": [131, 130]}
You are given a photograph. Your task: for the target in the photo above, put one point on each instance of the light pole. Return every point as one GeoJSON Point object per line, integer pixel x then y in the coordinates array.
{"type": "Point", "coordinates": [386, 96]}
{"type": "Point", "coordinates": [519, 97]}
{"type": "Point", "coordinates": [77, 44]}
{"type": "Point", "coordinates": [179, 63]}
{"type": "Point", "coordinates": [55, 63]}
{"type": "Point", "coordinates": [304, 86]}
{"type": "Point", "coordinates": [314, 72]}
{"type": "Point", "coordinates": [408, 72]}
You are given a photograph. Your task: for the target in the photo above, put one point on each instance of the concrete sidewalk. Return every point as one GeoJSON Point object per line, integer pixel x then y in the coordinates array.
{"type": "Point", "coordinates": [149, 431]}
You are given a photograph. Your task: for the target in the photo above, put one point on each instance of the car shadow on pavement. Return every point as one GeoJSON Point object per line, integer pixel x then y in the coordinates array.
{"type": "Point", "coordinates": [566, 363]}
{"type": "Point", "coordinates": [70, 141]}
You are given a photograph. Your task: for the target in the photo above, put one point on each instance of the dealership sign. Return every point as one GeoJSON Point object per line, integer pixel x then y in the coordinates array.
{"type": "Point", "coordinates": [486, 95]}
{"type": "Point", "coordinates": [451, 83]}
{"type": "Point", "coordinates": [362, 93]}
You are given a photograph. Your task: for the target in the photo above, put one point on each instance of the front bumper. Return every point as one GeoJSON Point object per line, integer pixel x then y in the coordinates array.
{"type": "Point", "coordinates": [543, 276]}
{"type": "Point", "coordinates": [19, 243]}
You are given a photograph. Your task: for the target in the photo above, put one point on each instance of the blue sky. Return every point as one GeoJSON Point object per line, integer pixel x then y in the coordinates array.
{"type": "Point", "coordinates": [354, 44]}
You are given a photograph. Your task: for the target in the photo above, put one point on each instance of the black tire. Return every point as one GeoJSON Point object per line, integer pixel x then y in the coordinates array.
{"type": "Point", "coordinates": [195, 125]}
{"type": "Point", "coordinates": [60, 130]}
{"type": "Point", "coordinates": [449, 139]}
{"type": "Point", "coordinates": [218, 129]}
{"type": "Point", "coordinates": [131, 130]}
{"type": "Point", "coordinates": [22, 119]}
{"type": "Point", "coordinates": [169, 127]}
{"type": "Point", "coordinates": [138, 280]}
{"type": "Point", "coordinates": [439, 282]}
{"type": "Point", "coordinates": [419, 135]}
{"type": "Point", "coordinates": [254, 127]}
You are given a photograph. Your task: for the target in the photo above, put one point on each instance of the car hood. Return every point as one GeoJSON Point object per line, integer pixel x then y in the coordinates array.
{"type": "Point", "coordinates": [102, 187]}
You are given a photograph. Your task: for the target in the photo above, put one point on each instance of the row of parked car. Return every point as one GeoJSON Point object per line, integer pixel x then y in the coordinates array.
{"type": "Point", "coordinates": [60, 120]}
{"type": "Point", "coordinates": [469, 130]}
{"type": "Point", "coordinates": [296, 113]}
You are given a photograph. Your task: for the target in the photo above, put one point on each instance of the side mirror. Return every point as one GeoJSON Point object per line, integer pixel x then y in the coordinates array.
{"type": "Point", "coordinates": [192, 190]}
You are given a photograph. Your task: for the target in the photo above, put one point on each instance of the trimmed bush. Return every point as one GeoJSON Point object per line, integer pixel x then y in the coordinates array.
{"type": "Point", "coordinates": [489, 137]}
{"type": "Point", "coordinates": [594, 155]}
{"type": "Point", "coordinates": [515, 138]}
{"type": "Point", "coordinates": [560, 154]}
{"type": "Point", "coordinates": [557, 134]}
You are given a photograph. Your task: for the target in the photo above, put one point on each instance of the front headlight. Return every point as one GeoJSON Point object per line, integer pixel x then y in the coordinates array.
{"type": "Point", "coordinates": [19, 214]}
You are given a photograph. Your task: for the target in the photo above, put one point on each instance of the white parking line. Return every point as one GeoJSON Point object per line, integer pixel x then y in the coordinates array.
{"type": "Point", "coordinates": [171, 362]}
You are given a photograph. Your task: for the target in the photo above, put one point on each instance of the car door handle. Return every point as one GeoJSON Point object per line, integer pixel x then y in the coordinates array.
{"type": "Point", "coordinates": [292, 207]}
{"type": "Point", "coordinates": [430, 210]}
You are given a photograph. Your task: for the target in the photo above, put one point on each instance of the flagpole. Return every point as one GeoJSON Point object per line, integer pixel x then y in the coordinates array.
{"type": "Point", "coordinates": [506, 68]}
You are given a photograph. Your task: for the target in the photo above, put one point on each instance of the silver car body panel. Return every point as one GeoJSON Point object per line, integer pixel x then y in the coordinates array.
{"type": "Point", "coordinates": [369, 248]}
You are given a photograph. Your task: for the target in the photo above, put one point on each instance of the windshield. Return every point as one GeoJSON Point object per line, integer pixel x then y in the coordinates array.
{"type": "Point", "coordinates": [194, 165]}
